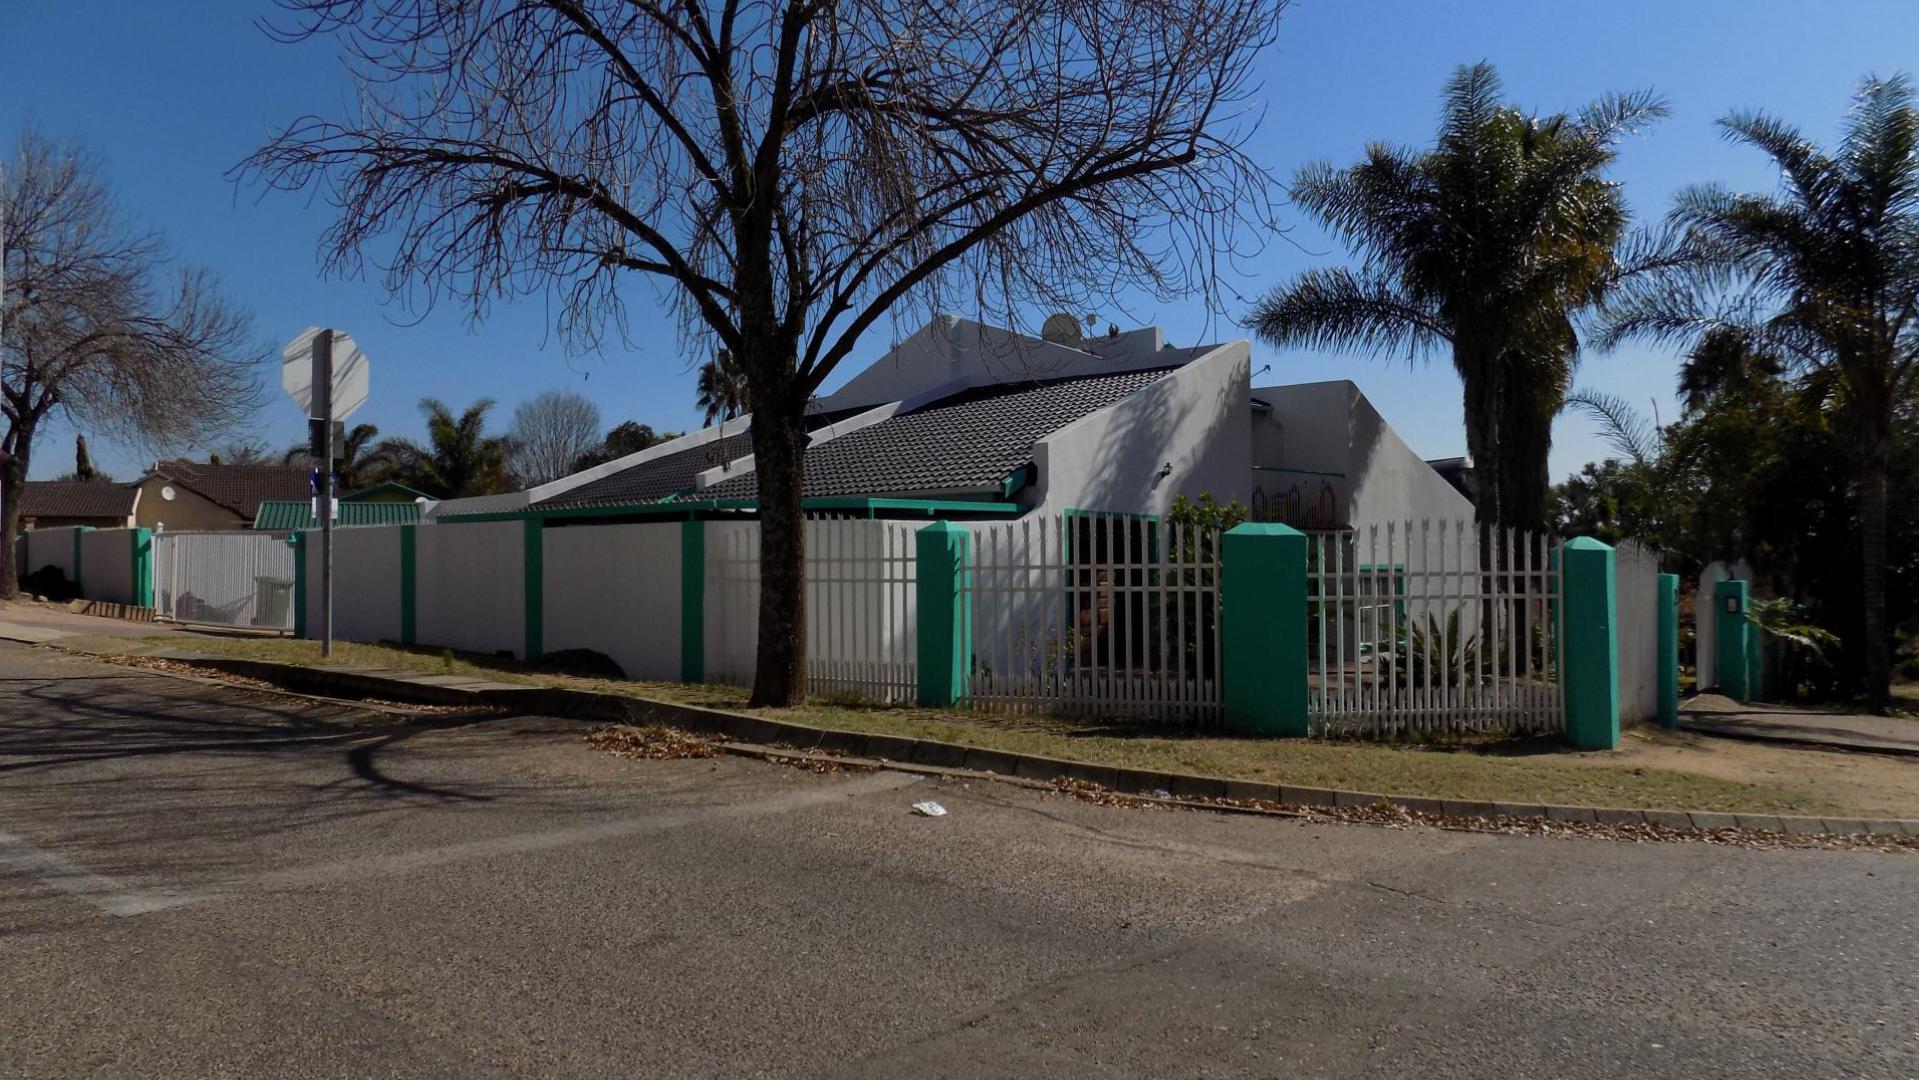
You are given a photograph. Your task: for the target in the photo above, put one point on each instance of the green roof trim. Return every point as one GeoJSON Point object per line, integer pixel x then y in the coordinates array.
{"type": "Point", "coordinates": [283, 515]}
{"type": "Point", "coordinates": [691, 508]}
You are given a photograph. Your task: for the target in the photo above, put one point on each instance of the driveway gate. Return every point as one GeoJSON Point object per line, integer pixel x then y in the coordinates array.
{"type": "Point", "coordinates": [225, 578]}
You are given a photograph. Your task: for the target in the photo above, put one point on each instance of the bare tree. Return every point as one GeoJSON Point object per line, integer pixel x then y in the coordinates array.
{"type": "Point", "coordinates": [96, 325]}
{"type": "Point", "coordinates": [793, 171]}
{"type": "Point", "coordinates": [550, 433]}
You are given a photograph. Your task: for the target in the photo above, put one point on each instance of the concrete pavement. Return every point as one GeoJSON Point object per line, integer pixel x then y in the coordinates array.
{"type": "Point", "coordinates": [1715, 714]}
{"type": "Point", "coordinates": [220, 883]}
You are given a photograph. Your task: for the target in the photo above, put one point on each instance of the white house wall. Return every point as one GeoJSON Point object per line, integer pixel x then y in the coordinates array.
{"type": "Point", "coordinates": [469, 587]}
{"type": "Point", "coordinates": [1333, 437]}
{"type": "Point", "coordinates": [615, 589]}
{"type": "Point", "coordinates": [1194, 420]}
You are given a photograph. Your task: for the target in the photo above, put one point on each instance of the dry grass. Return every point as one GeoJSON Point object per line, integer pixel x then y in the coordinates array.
{"type": "Point", "coordinates": [1654, 769]}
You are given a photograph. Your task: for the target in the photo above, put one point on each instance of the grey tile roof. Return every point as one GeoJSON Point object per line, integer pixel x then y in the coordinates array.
{"type": "Point", "coordinates": [966, 442]}
{"type": "Point", "coordinates": [660, 478]}
{"type": "Point", "coordinates": [77, 499]}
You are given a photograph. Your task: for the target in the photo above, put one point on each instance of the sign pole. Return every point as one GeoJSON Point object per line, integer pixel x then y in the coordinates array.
{"type": "Point", "coordinates": [323, 406]}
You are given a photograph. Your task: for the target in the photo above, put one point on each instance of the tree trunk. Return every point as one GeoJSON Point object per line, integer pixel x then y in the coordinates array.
{"type": "Point", "coordinates": [1482, 385]}
{"type": "Point", "coordinates": [1872, 571]}
{"type": "Point", "coordinates": [779, 462]}
{"type": "Point", "coordinates": [1526, 439]}
{"type": "Point", "coordinates": [13, 477]}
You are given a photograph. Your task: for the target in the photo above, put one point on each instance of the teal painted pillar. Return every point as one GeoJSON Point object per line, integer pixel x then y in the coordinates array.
{"type": "Point", "coordinates": [1262, 633]}
{"type": "Point", "coordinates": [299, 544]}
{"type": "Point", "coordinates": [79, 558]}
{"type": "Point", "coordinates": [1590, 674]}
{"type": "Point", "coordinates": [692, 601]}
{"type": "Point", "coordinates": [533, 547]}
{"type": "Point", "coordinates": [1669, 650]}
{"type": "Point", "coordinates": [1730, 633]}
{"type": "Point", "coordinates": [945, 618]}
{"type": "Point", "coordinates": [140, 548]}
{"type": "Point", "coordinates": [409, 593]}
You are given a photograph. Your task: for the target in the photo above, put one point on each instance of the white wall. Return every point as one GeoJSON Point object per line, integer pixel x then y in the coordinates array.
{"type": "Point", "coordinates": [1332, 436]}
{"type": "Point", "coordinates": [47, 547]}
{"type": "Point", "coordinates": [1194, 419]}
{"type": "Point", "coordinates": [366, 583]}
{"type": "Point", "coordinates": [470, 587]}
{"type": "Point", "coordinates": [1636, 607]}
{"type": "Point", "coordinates": [615, 589]}
{"type": "Point", "coordinates": [106, 565]}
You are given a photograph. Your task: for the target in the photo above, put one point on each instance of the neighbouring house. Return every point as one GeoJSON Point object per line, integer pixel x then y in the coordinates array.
{"type": "Point", "coordinates": [192, 496]}
{"type": "Point", "coordinates": [389, 503]}
{"type": "Point", "coordinates": [99, 504]}
{"type": "Point", "coordinates": [966, 420]}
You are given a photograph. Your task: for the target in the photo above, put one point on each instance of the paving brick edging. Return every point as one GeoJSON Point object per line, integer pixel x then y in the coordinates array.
{"type": "Point", "coordinates": [621, 709]}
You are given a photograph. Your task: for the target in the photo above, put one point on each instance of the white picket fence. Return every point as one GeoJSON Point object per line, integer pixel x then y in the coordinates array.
{"type": "Point", "coordinates": [1095, 614]}
{"type": "Point", "coordinates": [1410, 630]}
{"type": "Point", "coordinates": [229, 578]}
{"type": "Point", "coordinates": [861, 606]}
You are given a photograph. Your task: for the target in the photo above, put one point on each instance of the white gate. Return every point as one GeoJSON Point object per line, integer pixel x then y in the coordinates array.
{"type": "Point", "coordinates": [1432, 627]}
{"type": "Point", "coordinates": [226, 578]}
{"type": "Point", "coordinates": [1095, 613]}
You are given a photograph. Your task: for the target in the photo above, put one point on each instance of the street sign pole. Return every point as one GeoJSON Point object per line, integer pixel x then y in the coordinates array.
{"type": "Point", "coordinates": [323, 408]}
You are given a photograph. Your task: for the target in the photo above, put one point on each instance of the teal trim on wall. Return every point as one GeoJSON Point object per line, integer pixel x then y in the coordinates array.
{"type": "Point", "coordinates": [1591, 645]}
{"type": "Point", "coordinates": [409, 592]}
{"type": "Point", "coordinates": [945, 620]}
{"type": "Point", "coordinates": [1730, 631]}
{"type": "Point", "coordinates": [140, 548]}
{"type": "Point", "coordinates": [1669, 650]}
{"type": "Point", "coordinates": [533, 547]}
{"type": "Point", "coordinates": [1262, 633]}
{"type": "Point", "coordinates": [298, 541]}
{"type": "Point", "coordinates": [692, 601]}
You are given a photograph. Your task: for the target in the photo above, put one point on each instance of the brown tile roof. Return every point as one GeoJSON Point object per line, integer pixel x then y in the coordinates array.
{"type": "Point", "coordinates": [77, 499]}
{"type": "Point", "coordinates": [239, 488]}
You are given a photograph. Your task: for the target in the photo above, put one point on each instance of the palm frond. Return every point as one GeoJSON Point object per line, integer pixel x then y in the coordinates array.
{"type": "Point", "coordinates": [1342, 310]}
{"type": "Point", "coordinates": [1620, 424]}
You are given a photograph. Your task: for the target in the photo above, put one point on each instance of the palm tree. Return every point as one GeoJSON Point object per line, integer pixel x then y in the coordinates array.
{"type": "Point", "coordinates": [459, 458]}
{"type": "Point", "coordinates": [358, 462]}
{"type": "Point", "coordinates": [1488, 245]}
{"type": "Point", "coordinates": [722, 389]}
{"type": "Point", "coordinates": [1822, 275]}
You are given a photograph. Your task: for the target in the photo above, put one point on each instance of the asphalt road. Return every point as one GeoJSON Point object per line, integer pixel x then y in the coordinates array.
{"type": "Point", "coordinates": [201, 883]}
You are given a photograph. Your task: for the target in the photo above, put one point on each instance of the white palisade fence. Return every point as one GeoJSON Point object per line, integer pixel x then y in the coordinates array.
{"type": "Point", "coordinates": [861, 606]}
{"type": "Point", "coordinates": [1096, 614]}
{"type": "Point", "coordinates": [1430, 628]}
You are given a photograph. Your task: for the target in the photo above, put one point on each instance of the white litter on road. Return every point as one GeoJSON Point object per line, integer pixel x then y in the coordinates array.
{"type": "Point", "coordinates": [929, 808]}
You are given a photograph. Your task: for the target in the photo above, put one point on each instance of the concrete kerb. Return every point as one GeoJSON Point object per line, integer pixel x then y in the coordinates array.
{"type": "Point", "coordinates": [763, 737]}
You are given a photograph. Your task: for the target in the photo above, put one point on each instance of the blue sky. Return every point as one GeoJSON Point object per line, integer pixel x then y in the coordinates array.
{"type": "Point", "coordinates": [172, 100]}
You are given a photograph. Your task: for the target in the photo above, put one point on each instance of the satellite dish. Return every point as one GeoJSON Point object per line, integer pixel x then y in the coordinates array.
{"type": "Point", "coordinates": [167, 493]}
{"type": "Point", "coordinates": [1061, 329]}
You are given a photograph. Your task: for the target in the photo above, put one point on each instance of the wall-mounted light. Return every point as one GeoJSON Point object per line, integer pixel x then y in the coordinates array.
{"type": "Point", "coordinates": [1166, 470]}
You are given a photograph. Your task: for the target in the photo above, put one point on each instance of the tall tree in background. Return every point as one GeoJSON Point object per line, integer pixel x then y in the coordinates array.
{"type": "Point", "coordinates": [722, 393]}
{"type": "Point", "coordinates": [1486, 246]}
{"type": "Point", "coordinates": [99, 330]}
{"type": "Point", "coordinates": [457, 460]}
{"type": "Point", "coordinates": [623, 438]}
{"type": "Point", "coordinates": [551, 432]}
{"type": "Point", "coordinates": [791, 170]}
{"type": "Point", "coordinates": [82, 461]}
{"type": "Point", "coordinates": [1824, 276]}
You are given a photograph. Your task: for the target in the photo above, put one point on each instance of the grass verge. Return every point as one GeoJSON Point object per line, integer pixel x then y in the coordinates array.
{"type": "Point", "coordinates": [1502, 770]}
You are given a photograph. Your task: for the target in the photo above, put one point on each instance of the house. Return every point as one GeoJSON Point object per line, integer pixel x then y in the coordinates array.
{"type": "Point", "coordinates": [192, 495]}
{"type": "Point", "coordinates": [389, 503]}
{"type": "Point", "coordinates": [966, 420]}
{"type": "Point", "coordinates": [100, 504]}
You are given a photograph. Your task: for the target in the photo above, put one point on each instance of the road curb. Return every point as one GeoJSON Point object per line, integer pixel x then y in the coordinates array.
{"type": "Point", "coordinates": [932, 754]}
